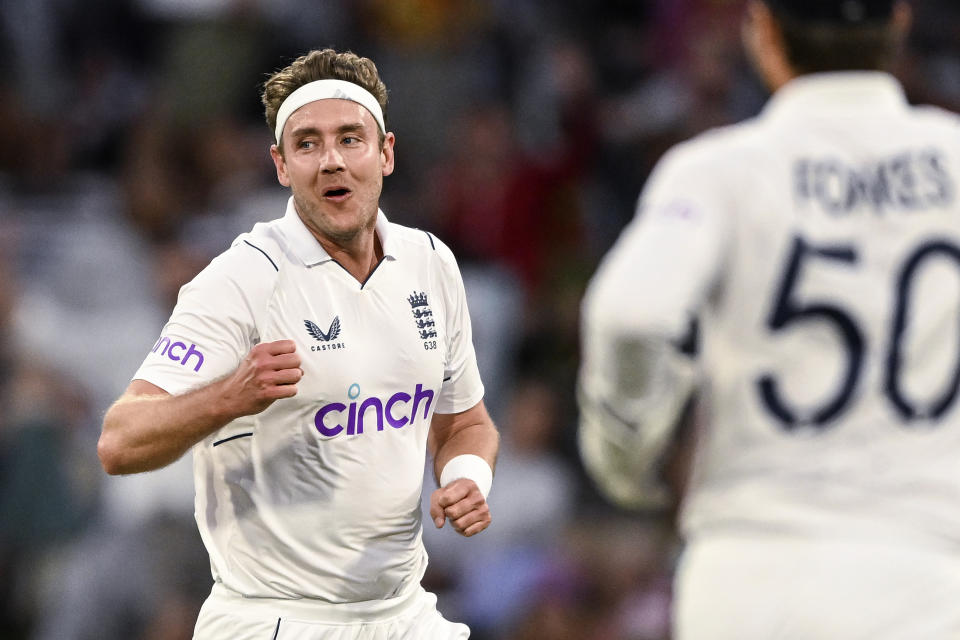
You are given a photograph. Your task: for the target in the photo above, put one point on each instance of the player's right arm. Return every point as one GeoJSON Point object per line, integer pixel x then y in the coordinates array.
{"type": "Point", "coordinates": [148, 428]}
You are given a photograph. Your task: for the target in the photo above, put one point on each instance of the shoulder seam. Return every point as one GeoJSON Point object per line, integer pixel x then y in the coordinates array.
{"type": "Point", "coordinates": [265, 254]}
{"type": "Point", "coordinates": [430, 238]}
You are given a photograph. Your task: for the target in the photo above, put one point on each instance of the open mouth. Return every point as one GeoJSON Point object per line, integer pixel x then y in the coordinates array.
{"type": "Point", "coordinates": [338, 192]}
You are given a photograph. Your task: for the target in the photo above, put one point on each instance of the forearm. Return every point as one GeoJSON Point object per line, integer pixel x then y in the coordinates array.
{"type": "Point", "coordinates": [470, 432]}
{"type": "Point", "coordinates": [480, 440]}
{"type": "Point", "coordinates": [148, 431]}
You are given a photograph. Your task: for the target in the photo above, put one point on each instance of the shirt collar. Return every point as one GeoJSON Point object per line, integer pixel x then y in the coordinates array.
{"type": "Point", "coordinates": [311, 252]}
{"type": "Point", "coordinates": [837, 93]}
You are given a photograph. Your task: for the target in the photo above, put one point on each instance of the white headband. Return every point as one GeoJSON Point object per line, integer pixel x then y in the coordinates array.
{"type": "Point", "coordinates": [324, 90]}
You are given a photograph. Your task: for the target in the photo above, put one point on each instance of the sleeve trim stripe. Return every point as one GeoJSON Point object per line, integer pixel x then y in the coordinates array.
{"type": "Point", "coordinates": [239, 435]}
{"type": "Point", "coordinates": [264, 254]}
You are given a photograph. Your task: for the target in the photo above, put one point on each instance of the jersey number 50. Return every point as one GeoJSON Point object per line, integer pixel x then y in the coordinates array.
{"type": "Point", "coordinates": [787, 312]}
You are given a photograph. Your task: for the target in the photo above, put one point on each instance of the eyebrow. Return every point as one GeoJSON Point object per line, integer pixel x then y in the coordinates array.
{"type": "Point", "coordinates": [350, 127]}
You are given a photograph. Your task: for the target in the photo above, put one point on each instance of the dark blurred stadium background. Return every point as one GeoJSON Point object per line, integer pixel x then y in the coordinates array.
{"type": "Point", "coordinates": [133, 149]}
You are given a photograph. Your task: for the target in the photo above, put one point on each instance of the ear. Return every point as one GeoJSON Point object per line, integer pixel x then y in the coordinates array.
{"type": "Point", "coordinates": [386, 154]}
{"type": "Point", "coordinates": [280, 164]}
{"type": "Point", "coordinates": [902, 20]}
{"type": "Point", "coordinates": [763, 43]}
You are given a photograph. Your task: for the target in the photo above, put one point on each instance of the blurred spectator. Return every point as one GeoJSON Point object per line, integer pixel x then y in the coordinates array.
{"type": "Point", "coordinates": [48, 486]}
{"type": "Point", "coordinates": [496, 301]}
{"type": "Point", "coordinates": [610, 580]}
{"type": "Point", "coordinates": [145, 582]}
{"type": "Point", "coordinates": [89, 302]}
{"type": "Point", "coordinates": [499, 204]}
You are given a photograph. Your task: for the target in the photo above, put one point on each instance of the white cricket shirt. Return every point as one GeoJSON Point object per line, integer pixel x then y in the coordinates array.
{"type": "Point", "coordinates": [318, 496]}
{"type": "Point", "coordinates": [819, 245]}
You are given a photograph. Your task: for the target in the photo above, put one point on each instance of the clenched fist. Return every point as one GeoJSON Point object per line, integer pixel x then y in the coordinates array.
{"type": "Point", "coordinates": [462, 503]}
{"type": "Point", "coordinates": [269, 372]}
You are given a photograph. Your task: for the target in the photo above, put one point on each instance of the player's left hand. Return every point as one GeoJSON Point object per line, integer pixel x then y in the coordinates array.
{"type": "Point", "coordinates": [462, 503]}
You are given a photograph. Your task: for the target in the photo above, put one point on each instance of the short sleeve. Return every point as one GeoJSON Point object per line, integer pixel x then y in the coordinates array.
{"type": "Point", "coordinates": [665, 262]}
{"type": "Point", "coordinates": [462, 387]}
{"type": "Point", "coordinates": [212, 327]}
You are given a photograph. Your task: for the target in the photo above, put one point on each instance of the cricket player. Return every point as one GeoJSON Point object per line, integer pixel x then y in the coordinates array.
{"type": "Point", "coordinates": [310, 368]}
{"type": "Point", "coordinates": [817, 248]}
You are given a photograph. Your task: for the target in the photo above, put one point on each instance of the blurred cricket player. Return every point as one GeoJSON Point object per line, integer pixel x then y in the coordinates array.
{"type": "Point", "coordinates": [817, 248]}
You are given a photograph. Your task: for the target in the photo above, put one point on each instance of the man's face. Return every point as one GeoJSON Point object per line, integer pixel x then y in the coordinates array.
{"type": "Point", "coordinates": [334, 165]}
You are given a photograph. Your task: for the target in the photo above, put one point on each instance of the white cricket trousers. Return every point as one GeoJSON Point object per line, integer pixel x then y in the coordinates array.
{"type": "Point", "coordinates": [757, 588]}
{"type": "Point", "coordinates": [229, 616]}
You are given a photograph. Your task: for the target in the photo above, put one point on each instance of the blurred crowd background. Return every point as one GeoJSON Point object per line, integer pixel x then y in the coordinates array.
{"type": "Point", "coordinates": [133, 149]}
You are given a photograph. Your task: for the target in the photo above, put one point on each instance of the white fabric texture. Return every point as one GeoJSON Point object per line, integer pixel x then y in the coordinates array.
{"type": "Point", "coordinates": [227, 616]}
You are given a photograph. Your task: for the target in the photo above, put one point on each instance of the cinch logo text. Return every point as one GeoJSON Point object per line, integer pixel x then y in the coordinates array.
{"type": "Point", "coordinates": [398, 410]}
{"type": "Point", "coordinates": [174, 351]}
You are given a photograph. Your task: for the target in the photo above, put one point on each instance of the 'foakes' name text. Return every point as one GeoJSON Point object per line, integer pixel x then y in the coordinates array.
{"type": "Point", "coordinates": [908, 181]}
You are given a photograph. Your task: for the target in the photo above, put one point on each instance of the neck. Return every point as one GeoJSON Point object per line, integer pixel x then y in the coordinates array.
{"type": "Point", "coordinates": [764, 46]}
{"type": "Point", "coordinates": [359, 256]}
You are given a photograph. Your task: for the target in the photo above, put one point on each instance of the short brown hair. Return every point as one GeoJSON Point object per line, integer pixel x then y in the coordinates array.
{"type": "Point", "coordinates": [321, 64]}
{"type": "Point", "coordinates": [816, 47]}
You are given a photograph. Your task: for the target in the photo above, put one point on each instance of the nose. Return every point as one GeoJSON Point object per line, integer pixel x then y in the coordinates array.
{"type": "Point", "coordinates": [331, 161]}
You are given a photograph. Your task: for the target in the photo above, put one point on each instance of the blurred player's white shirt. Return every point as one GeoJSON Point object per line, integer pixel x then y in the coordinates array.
{"type": "Point", "coordinates": [318, 496]}
{"type": "Point", "coordinates": [819, 245]}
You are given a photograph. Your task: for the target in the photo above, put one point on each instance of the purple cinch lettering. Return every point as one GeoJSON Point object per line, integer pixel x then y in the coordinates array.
{"type": "Point", "coordinates": [418, 395]}
{"type": "Point", "coordinates": [322, 413]}
{"type": "Point", "coordinates": [366, 404]}
{"type": "Point", "coordinates": [382, 410]}
{"type": "Point", "coordinates": [165, 341]}
{"type": "Point", "coordinates": [170, 353]}
{"type": "Point", "coordinates": [352, 420]}
{"type": "Point", "coordinates": [400, 396]}
{"type": "Point", "coordinates": [193, 351]}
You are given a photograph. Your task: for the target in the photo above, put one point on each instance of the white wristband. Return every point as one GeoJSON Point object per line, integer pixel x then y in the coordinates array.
{"type": "Point", "coordinates": [471, 467]}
